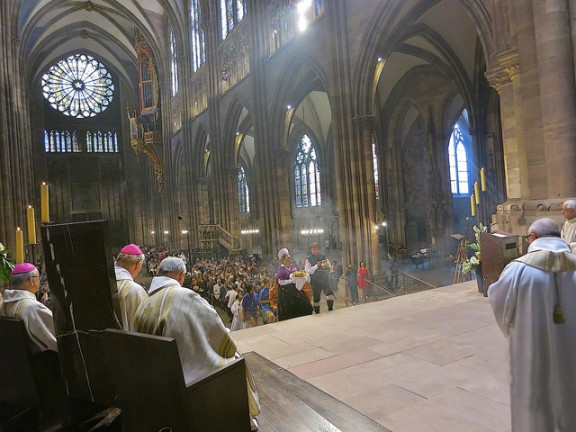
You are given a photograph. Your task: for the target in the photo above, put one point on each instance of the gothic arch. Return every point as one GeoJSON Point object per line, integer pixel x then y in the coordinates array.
{"type": "Point", "coordinates": [300, 78]}
{"type": "Point", "coordinates": [237, 121]}
{"type": "Point", "coordinates": [201, 152]}
{"type": "Point", "coordinates": [383, 37]}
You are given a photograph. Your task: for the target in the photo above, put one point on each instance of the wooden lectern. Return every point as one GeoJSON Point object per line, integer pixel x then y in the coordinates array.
{"type": "Point", "coordinates": [498, 248]}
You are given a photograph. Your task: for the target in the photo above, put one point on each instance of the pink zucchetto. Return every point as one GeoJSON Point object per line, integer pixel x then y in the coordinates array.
{"type": "Point", "coordinates": [131, 249]}
{"type": "Point", "coordinates": [23, 268]}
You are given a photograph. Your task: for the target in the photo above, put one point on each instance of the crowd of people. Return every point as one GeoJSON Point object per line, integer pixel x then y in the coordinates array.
{"type": "Point", "coordinates": [534, 303]}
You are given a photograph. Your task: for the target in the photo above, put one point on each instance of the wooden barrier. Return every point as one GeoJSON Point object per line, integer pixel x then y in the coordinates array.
{"type": "Point", "coordinates": [152, 394]}
{"type": "Point", "coordinates": [32, 390]}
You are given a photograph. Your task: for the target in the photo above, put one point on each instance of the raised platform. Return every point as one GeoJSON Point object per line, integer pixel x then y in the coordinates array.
{"type": "Point", "coordinates": [291, 404]}
{"type": "Point", "coordinates": [429, 361]}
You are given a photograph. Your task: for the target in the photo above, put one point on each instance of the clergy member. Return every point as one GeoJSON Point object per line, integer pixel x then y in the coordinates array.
{"type": "Point", "coordinates": [204, 344]}
{"type": "Point", "coordinates": [20, 302]}
{"type": "Point", "coordinates": [130, 294]}
{"type": "Point", "coordinates": [569, 227]}
{"type": "Point", "coordinates": [534, 303]}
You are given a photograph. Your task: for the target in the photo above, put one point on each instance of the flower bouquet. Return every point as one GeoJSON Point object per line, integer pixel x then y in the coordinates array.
{"type": "Point", "coordinates": [473, 263]}
{"type": "Point", "coordinates": [6, 264]}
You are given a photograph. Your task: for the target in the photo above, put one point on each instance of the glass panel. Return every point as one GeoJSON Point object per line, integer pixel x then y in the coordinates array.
{"type": "Point", "coordinates": [375, 169]}
{"type": "Point", "coordinates": [306, 175]}
{"type": "Point", "coordinates": [78, 86]}
{"type": "Point", "coordinates": [198, 47]}
{"type": "Point", "coordinates": [173, 62]}
{"type": "Point", "coordinates": [312, 183]}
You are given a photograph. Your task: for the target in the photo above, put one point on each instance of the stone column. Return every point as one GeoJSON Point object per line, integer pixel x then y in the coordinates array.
{"type": "Point", "coordinates": [557, 94]}
{"type": "Point", "coordinates": [363, 181]}
{"type": "Point", "coordinates": [17, 187]}
{"type": "Point", "coordinates": [502, 78]}
{"type": "Point", "coordinates": [230, 218]}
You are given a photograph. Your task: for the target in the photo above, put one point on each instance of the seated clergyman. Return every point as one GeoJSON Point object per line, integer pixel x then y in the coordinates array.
{"type": "Point", "coordinates": [20, 302]}
{"type": "Point", "coordinates": [204, 343]}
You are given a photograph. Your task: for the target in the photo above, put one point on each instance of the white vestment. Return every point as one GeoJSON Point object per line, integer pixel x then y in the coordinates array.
{"type": "Point", "coordinates": [569, 233]}
{"type": "Point", "coordinates": [542, 351]}
{"type": "Point", "coordinates": [237, 323]}
{"type": "Point", "coordinates": [204, 343]}
{"type": "Point", "coordinates": [37, 318]}
{"type": "Point", "coordinates": [130, 295]}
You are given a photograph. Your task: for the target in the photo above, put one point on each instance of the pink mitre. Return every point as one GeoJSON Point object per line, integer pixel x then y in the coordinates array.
{"type": "Point", "coordinates": [23, 268]}
{"type": "Point", "coordinates": [131, 249]}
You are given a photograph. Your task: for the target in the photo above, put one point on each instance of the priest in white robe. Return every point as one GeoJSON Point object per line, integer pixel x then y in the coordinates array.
{"type": "Point", "coordinates": [20, 302]}
{"type": "Point", "coordinates": [534, 303]}
{"type": "Point", "coordinates": [130, 294]}
{"type": "Point", "coordinates": [204, 343]}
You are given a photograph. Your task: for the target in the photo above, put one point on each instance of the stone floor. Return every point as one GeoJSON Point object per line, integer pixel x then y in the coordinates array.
{"type": "Point", "coordinates": [424, 362]}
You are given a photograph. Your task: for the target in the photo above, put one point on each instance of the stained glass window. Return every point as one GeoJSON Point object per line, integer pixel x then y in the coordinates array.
{"type": "Point", "coordinates": [307, 190]}
{"type": "Point", "coordinates": [231, 13]}
{"type": "Point", "coordinates": [173, 61]}
{"type": "Point", "coordinates": [243, 191]}
{"type": "Point", "coordinates": [458, 150]}
{"type": "Point", "coordinates": [76, 141]}
{"type": "Point", "coordinates": [78, 86]}
{"type": "Point", "coordinates": [375, 168]}
{"type": "Point", "coordinates": [198, 38]}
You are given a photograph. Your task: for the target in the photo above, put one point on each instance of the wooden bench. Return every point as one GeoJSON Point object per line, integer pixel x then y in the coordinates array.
{"type": "Point", "coordinates": [32, 392]}
{"type": "Point", "coordinates": [152, 394]}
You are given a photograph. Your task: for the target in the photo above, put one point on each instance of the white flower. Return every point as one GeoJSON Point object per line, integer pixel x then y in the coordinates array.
{"type": "Point", "coordinates": [2, 247]}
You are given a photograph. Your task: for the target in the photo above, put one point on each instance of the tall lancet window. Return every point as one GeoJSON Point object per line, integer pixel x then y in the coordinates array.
{"type": "Point", "coordinates": [231, 13]}
{"type": "Point", "coordinates": [375, 168]}
{"type": "Point", "coordinates": [307, 190]}
{"type": "Point", "coordinates": [173, 62]}
{"type": "Point", "coordinates": [197, 36]}
{"type": "Point", "coordinates": [459, 157]}
{"type": "Point", "coordinates": [243, 191]}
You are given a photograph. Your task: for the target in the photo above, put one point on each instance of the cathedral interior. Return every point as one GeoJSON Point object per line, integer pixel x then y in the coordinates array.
{"type": "Point", "coordinates": [235, 125]}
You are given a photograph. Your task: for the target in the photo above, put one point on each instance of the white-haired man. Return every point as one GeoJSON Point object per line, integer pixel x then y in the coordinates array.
{"type": "Point", "coordinates": [204, 343]}
{"type": "Point", "coordinates": [534, 303]}
{"type": "Point", "coordinates": [130, 294]}
{"type": "Point", "coordinates": [20, 302]}
{"type": "Point", "coordinates": [569, 227]}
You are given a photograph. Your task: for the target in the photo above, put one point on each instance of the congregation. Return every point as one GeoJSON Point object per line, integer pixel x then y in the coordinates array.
{"type": "Point", "coordinates": [179, 291]}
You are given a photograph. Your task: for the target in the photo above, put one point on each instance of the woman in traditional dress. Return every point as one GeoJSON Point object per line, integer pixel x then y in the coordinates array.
{"type": "Point", "coordinates": [292, 302]}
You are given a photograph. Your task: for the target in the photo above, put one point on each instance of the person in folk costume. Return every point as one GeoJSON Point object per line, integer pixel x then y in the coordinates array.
{"type": "Point", "coordinates": [318, 266]}
{"type": "Point", "coordinates": [292, 302]}
{"type": "Point", "coordinates": [204, 343]}
{"type": "Point", "coordinates": [130, 294]}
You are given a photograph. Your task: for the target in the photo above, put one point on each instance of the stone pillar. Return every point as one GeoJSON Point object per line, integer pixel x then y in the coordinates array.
{"type": "Point", "coordinates": [502, 78]}
{"type": "Point", "coordinates": [363, 181]}
{"type": "Point", "coordinates": [557, 94]}
{"type": "Point", "coordinates": [535, 81]}
{"type": "Point", "coordinates": [230, 221]}
{"type": "Point", "coordinates": [17, 187]}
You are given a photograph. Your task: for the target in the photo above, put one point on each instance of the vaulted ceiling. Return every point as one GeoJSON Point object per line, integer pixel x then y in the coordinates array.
{"type": "Point", "coordinates": [51, 29]}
